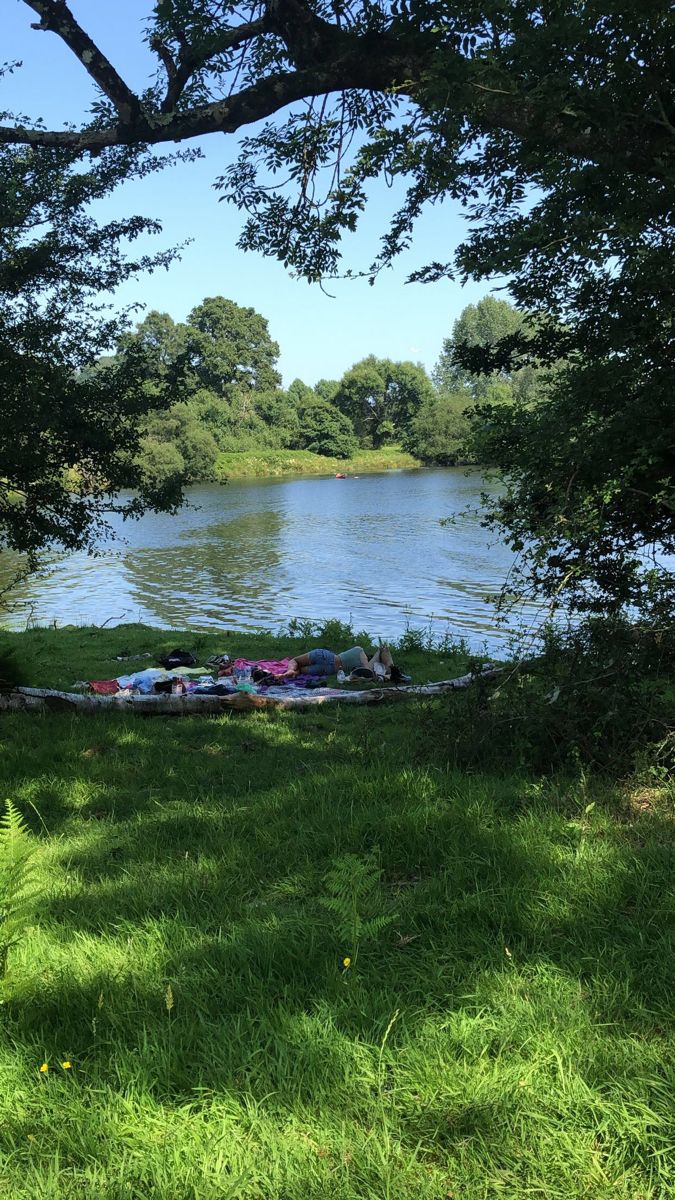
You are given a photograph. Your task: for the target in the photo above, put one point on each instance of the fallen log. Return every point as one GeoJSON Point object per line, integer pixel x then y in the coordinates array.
{"type": "Point", "coordinates": [50, 700]}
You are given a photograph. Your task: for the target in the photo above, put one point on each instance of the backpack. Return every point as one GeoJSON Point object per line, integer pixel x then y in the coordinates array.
{"type": "Point", "coordinates": [178, 658]}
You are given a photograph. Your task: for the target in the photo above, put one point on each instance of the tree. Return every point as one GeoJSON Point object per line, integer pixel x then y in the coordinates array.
{"type": "Point", "coordinates": [380, 397]}
{"type": "Point", "coordinates": [280, 414]}
{"type": "Point", "coordinates": [327, 389]}
{"type": "Point", "coordinates": [226, 344]}
{"type": "Point", "coordinates": [482, 324]}
{"type": "Point", "coordinates": [320, 426]}
{"type": "Point", "coordinates": [70, 434]}
{"type": "Point", "coordinates": [439, 431]}
{"type": "Point", "coordinates": [221, 346]}
{"type": "Point", "coordinates": [156, 344]}
{"type": "Point", "coordinates": [282, 51]}
{"type": "Point", "coordinates": [160, 461]}
{"type": "Point", "coordinates": [216, 371]}
{"type": "Point", "coordinates": [325, 430]}
{"type": "Point", "coordinates": [300, 393]}
{"type": "Point", "coordinates": [553, 125]}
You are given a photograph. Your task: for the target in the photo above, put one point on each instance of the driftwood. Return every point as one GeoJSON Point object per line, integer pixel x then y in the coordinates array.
{"type": "Point", "coordinates": [45, 699]}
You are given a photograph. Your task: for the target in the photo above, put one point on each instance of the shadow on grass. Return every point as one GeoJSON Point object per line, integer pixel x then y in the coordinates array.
{"type": "Point", "coordinates": [187, 948]}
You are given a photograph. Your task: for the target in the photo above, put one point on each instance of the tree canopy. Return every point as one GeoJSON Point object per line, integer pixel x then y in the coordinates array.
{"type": "Point", "coordinates": [70, 434]}
{"type": "Point", "coordinates": [216, 375]}
{"type": "Point", "coordinates": [217, 379]}
{"type": "Point", "coordinates": [552, 125]}
{"type": "Point", "coordinates": [381, 397]}
{"type": "Point", "coordinates": [483, 324]}
{"type": "Point", "coordinates": [449, 95]}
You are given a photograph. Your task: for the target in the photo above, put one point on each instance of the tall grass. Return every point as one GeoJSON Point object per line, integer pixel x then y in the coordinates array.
{"type": "Point", "coordinates": [260, 463]}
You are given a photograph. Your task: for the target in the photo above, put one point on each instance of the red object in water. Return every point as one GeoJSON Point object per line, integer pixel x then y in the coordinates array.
{"type": "Point", "coordinates": [340, 475]}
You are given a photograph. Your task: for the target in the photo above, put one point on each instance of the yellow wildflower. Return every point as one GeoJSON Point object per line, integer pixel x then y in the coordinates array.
{"type": "Point", "coordinates": [346, 962]}
{"type": "Point", "coordinates": [66, 1065]}
{"type": "Point", "coordinates": [44, 1068]}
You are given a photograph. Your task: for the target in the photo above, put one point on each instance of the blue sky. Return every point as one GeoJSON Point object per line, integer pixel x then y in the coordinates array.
{"type": "Point", "coordinates": [319, 335]}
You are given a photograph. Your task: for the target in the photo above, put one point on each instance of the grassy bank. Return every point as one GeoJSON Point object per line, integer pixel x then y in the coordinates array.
{"type": "Point", "coordinates": [503, 1028]}
{"type": "Point", "coordinates": [302, 462]}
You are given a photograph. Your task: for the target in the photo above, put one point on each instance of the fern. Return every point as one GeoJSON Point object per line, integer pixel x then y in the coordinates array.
{"type": "Point", "coordinates": [18, 894]}
{"type": "Point", "coordinates": [355, 900]}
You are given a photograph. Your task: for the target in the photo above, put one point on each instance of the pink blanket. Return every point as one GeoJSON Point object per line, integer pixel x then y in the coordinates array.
{"type": "Point", "coordinates": [273, 666]}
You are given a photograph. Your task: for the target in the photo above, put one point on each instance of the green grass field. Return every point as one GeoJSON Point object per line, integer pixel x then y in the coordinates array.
{"type": "Point", "coordinates": [504, 1028]}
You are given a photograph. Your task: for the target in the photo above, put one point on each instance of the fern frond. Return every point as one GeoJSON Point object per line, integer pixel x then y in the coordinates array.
{"type": "Point", "coordinates": [18, 893]}
{"type": "Point", "coordinates": [355, 899]}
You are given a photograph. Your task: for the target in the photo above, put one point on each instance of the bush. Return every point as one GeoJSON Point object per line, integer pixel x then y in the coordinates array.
{"type": "Point", "coordinates": [160, 462]}
{"type": "Point", "coordinates": [12, 674]}
{"type": "Point", "coordinates": [325, 430]}
{"type": "Point", "coordinates": [601, 696]}
{"type": "Point", "coordinates": [438, 431]}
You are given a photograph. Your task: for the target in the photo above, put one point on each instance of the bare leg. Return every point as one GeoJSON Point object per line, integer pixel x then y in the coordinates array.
{"type": "Point", "coordinates": [383, 656]}
{"type": "Point", "coordinates": [295, 666]}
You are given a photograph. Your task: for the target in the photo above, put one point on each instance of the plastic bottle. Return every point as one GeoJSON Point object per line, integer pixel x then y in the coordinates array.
{"type": "Point", "coordinates": [177, 687]}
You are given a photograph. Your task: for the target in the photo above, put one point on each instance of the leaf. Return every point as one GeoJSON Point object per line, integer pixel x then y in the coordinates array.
{"type": "Point", "coordinates": [18, 893]}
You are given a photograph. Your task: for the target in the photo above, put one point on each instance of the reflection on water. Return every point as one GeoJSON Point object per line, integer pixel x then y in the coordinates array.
{"type": "Point", "coordinates": [253, 555]}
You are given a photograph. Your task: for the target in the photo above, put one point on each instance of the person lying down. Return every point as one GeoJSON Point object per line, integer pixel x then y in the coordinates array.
{"type": "Point", "coordinates": [325, 662]}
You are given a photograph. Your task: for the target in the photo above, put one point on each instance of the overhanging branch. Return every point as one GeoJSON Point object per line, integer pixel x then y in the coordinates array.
{"type": "Point", "coordinates": [56, 17]}
{"type": "Point", "coordinates": [254, 103]}
{"type": "Point", "coordinates": [193, 58]}
{"type": "Point", "coordinates": [328, 58]}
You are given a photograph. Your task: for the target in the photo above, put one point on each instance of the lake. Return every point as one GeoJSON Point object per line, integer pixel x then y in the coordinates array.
{"type": "Point", "coordinates": [254, 554]}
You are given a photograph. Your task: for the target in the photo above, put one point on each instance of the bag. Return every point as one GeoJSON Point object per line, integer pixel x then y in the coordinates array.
{"type": "Point", "coordinates": [178, 658]}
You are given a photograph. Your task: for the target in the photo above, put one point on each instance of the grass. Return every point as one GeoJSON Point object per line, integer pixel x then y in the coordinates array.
{"type": "Point", "coordinates": [259, 463]}
{"type": "Point", "coordinates": [504, 1028]}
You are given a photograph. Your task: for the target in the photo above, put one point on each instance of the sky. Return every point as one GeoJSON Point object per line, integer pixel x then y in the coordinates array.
{"type": "Point", "coordinates": [320, 335]}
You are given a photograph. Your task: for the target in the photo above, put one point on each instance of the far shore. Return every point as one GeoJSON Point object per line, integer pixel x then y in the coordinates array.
{"type": "Point", "coordinates": [260, 463]}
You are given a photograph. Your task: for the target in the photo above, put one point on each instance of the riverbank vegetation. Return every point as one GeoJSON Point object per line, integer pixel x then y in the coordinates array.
{"type": "Point", "coordinates": [262, 463]}
{"type": "Point", "coordinates": [218, 407]}
{"type": "Point", "coordinates": [290, 954]}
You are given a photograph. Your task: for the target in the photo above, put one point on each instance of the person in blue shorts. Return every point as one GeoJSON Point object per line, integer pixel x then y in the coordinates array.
{"type": "Point", "coordinates": [325, 662]}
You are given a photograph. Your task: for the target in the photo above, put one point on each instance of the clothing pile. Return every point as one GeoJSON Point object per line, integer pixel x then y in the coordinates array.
{"type": "Point", "coordinates": [244, 675]}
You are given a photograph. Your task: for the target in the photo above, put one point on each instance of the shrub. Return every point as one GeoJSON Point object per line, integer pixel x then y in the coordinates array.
{"type": "Point", "coordinates": [601, 696]}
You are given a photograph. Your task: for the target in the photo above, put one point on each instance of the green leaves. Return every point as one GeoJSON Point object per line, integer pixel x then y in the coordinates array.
{"type": "Point", "coordinates": [381, 397]}
{"type": "Point", "coordinates": [18, 891]}
{"type": "Point", "coordinates": [356, 902]}
{"type": "Point", "coordinates": [69, 432]}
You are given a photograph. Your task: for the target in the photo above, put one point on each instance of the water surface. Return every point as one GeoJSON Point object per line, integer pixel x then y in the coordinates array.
{"type": "Point", "coordinates": [254, 554]}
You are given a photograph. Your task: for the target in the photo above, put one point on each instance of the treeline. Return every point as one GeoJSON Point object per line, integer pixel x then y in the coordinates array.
{"type": "Point", "coordinates": [217, 374]}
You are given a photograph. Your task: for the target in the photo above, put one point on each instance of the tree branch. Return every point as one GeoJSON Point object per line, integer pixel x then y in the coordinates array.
{"type": "Point", "coordinates": [254, 103]}
{"type": "Point", "coordinates": [326, 58]}
{"type": "Point", "coordinates": [56, 17]}
{"type": "Point", "coordinates": [192, 58]}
